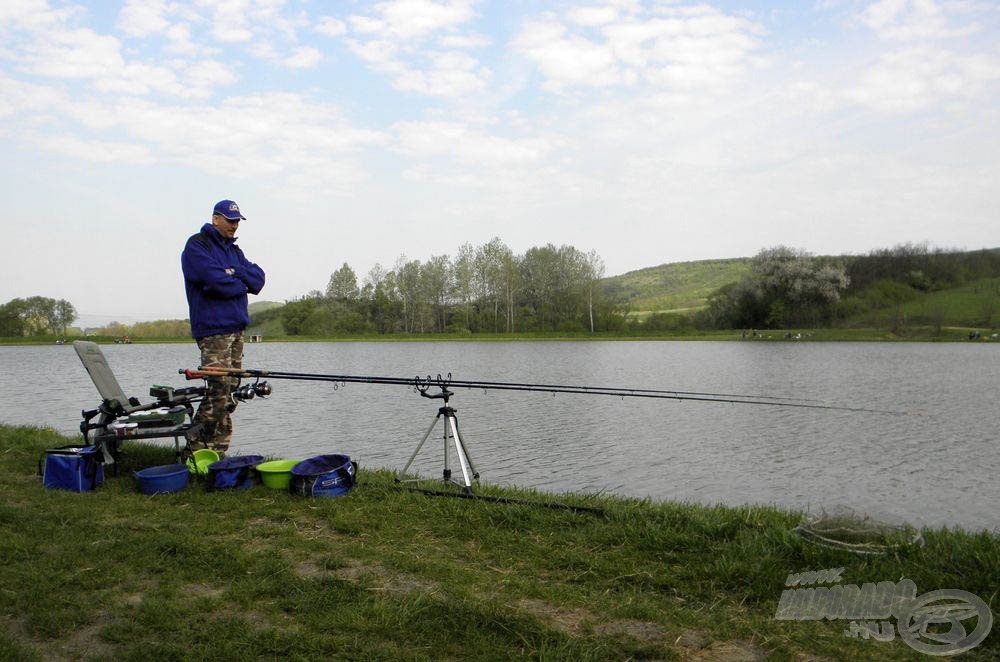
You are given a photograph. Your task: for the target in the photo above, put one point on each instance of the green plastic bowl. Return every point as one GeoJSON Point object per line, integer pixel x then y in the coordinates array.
{"type": "Point", "coordinates": [276, 474]}
{"type": "Point", "coordinates": [200, 460]}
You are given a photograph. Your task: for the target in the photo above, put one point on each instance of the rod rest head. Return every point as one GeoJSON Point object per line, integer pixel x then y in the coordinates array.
{"type": "Point", "coordinates": [443, 395]}
{"type": "Point", "coordinates": [168, 395]}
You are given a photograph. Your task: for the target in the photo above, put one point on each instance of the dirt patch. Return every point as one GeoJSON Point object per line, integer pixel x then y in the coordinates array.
{"type": "Point", "coordinates": [729, 651]}
{"type": "Point", "coordinates": [354, 570]}
{"type": "Point", "coordinates": [133, 599]}
{"type": "Point", "coordinates": [376, 576]}
{"type": "Point", "coordinates": [17, 628]}
{"type": "Point", "coordinates": [202, 591]}
{"type": "Point", "coordinates": [691, 639]}
{"type": "Point", "coordinates": [567, 620]}
{"type": "Point", "coordinates": [317, 530]}
{"type": "Point", "coordinates": [397, 583]}
{"type": "Point", "coordinates": [639, 630]}
{"type": "Point", "coordinates": [83, 642]}
{"type": "Point", "coordinates": [310, 570]}
{"type": "Point", "coordinates": [254, 619]}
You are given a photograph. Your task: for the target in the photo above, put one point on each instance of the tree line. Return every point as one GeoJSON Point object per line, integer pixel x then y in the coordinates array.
{"type": "Point", "coordinates": [920, 267]}
{"type": "Point", "coordinates": [792, 288]}
{"type": "Point", "coordinates": [153, 329]}
{"type": "Point", "coordinates": [482, 289]}
{"type": "Point", "coordinates": [490, 289]}
{"type": "Point", "coordinates": [36, 316]}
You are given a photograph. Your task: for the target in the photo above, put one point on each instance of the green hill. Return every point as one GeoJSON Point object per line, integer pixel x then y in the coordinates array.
{"type": "Point", "coordinates": [675, 287]}
{"type": "Point", "coordinates": [261, 306]}
{"type": "Point", "coordinates": [974, 305]}
{"type": "Point", "coordinates": [902, 286]}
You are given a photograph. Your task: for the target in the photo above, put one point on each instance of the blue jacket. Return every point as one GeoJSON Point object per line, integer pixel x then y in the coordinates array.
{"type": "Point", "coordinates": [217, 301]}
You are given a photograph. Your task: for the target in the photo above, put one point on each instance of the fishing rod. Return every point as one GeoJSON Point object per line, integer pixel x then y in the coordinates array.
{"type": "Point", "coordinates": [423, 384]}
{"type": "Point", "coordinates": [447, 414]}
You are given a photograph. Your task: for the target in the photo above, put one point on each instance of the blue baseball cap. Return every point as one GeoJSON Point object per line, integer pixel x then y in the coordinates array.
{"type": "Point", "coordinates": [229, 209]}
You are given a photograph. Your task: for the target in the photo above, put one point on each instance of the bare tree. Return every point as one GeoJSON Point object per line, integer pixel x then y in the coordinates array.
{"type": "Point", "coordinates": [343, 285]}
{"type": "Point", "coordinates": [594, 273]}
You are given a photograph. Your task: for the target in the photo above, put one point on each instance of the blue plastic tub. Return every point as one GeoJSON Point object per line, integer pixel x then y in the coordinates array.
{"type": "Point", "coordinates": [234, 473]}
{"type": "Point", "coordinates": [163, 479]}
{"type": "Point", "coordinates": [324, 476]}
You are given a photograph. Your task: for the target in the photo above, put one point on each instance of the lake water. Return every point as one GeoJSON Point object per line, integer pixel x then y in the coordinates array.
{"type": "Point", "coordinates": [935, 466]}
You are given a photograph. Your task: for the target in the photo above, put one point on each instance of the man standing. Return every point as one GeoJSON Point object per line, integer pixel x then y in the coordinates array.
{"type": "Point", "coordinates": [217, 278]}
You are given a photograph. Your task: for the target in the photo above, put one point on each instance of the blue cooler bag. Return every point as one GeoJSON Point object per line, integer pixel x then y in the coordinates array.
{"type": "Point", "coordinates": [234, 473]}
{"type": "Point", "coordinates": [74, 468]}
{"type": "Point", "coordinates": [324, 476]}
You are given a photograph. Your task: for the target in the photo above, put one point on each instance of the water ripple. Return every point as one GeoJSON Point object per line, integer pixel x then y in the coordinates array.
{"type": "Point", "coordinates": [921, 468]}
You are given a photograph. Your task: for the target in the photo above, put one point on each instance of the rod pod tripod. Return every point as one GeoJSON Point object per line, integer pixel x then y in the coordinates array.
{"type": "Point", "coordinates": [446, 414]}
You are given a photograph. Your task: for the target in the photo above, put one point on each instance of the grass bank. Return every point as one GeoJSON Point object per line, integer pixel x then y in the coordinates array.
{"type": "Point", "coordinates": [388, 573]}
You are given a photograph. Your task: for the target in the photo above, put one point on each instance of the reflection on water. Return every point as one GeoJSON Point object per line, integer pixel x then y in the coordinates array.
{"type": "Point", "coordinates": [935, 466]}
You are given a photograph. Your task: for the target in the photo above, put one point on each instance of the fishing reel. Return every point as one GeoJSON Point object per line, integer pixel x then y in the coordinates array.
{"type": "Point", "coordinates": [250, 391]}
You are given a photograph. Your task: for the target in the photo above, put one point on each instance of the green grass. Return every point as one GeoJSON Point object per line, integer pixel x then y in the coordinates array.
{"type": "Point", "coordinates": [679, 286]}
{"type": "Point", "coordinates": [949, 314]}
{"type": "Point", "coordinates": [262, 306]}
{"type": "Point", "coordinates": [389, 573]}
{"type": "Point", "coordinates": [975, 304]}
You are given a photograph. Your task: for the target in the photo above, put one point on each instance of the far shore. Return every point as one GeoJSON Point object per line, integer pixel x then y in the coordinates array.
{"type": "Point", "coordinates": [914, 334]}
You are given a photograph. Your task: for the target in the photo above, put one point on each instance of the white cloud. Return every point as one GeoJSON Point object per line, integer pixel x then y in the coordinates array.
{"type": "Point", "coordinates": [677, 47]}
{"type": "Point", "coordinates": [408, 19]}
{"type": "Point", "coordinates": [96, 151]}
{"type": "Point", "coordinates": [465, 41]}
{"type": "Point", "coordinates": [136, 78]}
{"type": "Point", "coordinates": [273, 135]}
{"type": "Point", "coordinates": [300, 57]}
{"type": "Point", "coordinates": [918, 77]}
{"type": "Point", "coordinates": [34, 14]}
{"type": "Point", "coordinates": [179, 39]}
{"type": "Point", "coordinates": [910, 20]}
{"type": "Point", "coordinates": [404, 39]}
{"type": "Point", "coordinates": [140, 18]}
{"type": "Point", "coordinates": [204, 78]}
{"type": "Point", "coordinates": [812, 97]}
{"type": "Point", "coordinates": [18, 97]}
{"type": "Point", "coordinates": [451, 74]}
{"type": "Point", "coordinates": [331, 27]}
{"type": "Point", "coordinates": [72, 53]}
{"type": "Point", "coordinates": [566, 59]}
{"type": "Point", "coordinates": [379, 53]}
{"type": "Point", "coordinates": [254, 135]}
{"type": "Point", "coordinates": [594, 16]}
{"type": "Point", "coordinates": [230, 22]}
{"type": "Point", "coordinates": [426, 139]}
{"type": "Point", "coordinates": [50, 46]}
{"type": "Point", "coordinates": [459, 154]}
{"type": "Point", "coordinates": [304, 57]}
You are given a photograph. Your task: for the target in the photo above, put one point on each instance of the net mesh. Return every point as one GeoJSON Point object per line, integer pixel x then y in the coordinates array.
{"type": "Point", "coordinates": [858, 534]}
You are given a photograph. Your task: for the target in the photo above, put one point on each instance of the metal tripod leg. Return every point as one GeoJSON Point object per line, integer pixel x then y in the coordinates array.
{"type": "Point", "coordinates": [463, 456]}
{"type": "Point", "coordinates": [450, 431]}
{"type": "Point", "coordinates": [420, 445]}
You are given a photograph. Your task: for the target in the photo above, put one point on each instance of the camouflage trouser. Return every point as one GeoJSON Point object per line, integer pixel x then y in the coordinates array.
{"type": "Point", "coordinates": [222, 351]}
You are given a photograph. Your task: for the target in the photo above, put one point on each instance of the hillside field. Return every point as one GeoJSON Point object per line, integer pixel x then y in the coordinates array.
{"type": "Point", "coordinates": [676, 287]}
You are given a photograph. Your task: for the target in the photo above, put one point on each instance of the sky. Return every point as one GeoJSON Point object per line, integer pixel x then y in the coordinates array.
{"type": "Point", "coordinates": [650, 131]}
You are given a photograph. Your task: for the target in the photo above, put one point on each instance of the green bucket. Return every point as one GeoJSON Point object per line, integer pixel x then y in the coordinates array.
{"type": "Point", "coordinates": [200, 460]}
{"type": "Point", "coordinates": [276, 474]}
